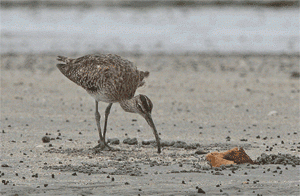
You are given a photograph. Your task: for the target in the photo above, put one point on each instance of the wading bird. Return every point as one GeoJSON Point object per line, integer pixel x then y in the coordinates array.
{"type": "Point", "coordinates": [109, 78]}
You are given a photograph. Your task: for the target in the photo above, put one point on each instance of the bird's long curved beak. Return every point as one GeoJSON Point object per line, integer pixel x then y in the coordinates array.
{"type": "Point", "coordinates": [151, 123]}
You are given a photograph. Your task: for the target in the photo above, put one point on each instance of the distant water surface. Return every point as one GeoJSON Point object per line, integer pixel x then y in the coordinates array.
{"type": "Point", "coordinates": [166, 29]}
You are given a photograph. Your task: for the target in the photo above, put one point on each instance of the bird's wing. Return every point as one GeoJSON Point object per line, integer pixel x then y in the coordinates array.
{"type": "Point", "coordinates": [108, 73]}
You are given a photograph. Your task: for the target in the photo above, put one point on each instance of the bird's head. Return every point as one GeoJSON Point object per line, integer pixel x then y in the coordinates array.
{"type": "Point", "coordinates": [142, 105]}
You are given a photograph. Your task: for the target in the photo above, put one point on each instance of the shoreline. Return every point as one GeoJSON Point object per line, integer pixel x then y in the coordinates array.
{"type": "Point", "coordinates": [149, 3]}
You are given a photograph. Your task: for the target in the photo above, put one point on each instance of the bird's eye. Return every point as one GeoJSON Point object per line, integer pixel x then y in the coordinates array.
{"type": "Point", "coordinates": [140, 108]}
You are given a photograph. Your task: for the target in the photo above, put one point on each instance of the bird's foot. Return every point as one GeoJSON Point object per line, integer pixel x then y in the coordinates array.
{"type": "Point", "coordinates": [103, 146]}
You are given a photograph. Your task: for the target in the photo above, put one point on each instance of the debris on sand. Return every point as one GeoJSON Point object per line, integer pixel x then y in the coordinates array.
{"type": "Point", "coordinates": [295, 74]}
{"type": "Point", "coordinates": [286, 159]}
{"type": "Point", "coordinates": [114, 141]}
{"type": "Point", "coordinates": [233, 156]}
{"type": "Point", "coordinates": [130, 141]}
{"type": "Point", "coordinates": [46, 139]}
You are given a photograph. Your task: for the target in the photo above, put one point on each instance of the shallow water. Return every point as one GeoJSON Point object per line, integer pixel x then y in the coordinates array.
{"type": "Point", "coordinates": [165, 29]}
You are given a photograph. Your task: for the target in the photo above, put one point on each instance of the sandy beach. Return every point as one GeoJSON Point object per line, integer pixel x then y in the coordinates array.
{"type": "Point", "coordinates": [219, 102]}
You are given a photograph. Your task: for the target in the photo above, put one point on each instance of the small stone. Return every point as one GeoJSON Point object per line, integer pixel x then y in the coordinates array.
{"type": "Point", "coordinates": [273, 113]}
{"type": "Point", "coordinates": [45, 185]}
{"type": "Point", "coordinates": [192, 146]}
{"type": "Point", "coordinates": [114, 141]}
{"type": "Point", "coordinates": [295, 74]}
{"type": "Point", "coordinates": [180, 144]}
{"type": "Point", "coordinates": [199, 152]}
{"type": "Point", "coordinates": [4, 165]}
{"type": "Point", "coordinates": [126, 183]}
{"type": "Point", "coordinates": [146, 142]}
{"type": "Point", "coordinates": [200, 190]}
{"type": "Point", "coordinates": [130, 141]}
{"type": "Point", "coordinates": [46, 139]}
{"type": "Point", "coordinates": [74, 174]}
{"type": "Point", "coordinates": [165, 143]}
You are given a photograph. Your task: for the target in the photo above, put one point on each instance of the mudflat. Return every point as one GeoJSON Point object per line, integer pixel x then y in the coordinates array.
{"type": "Point", "coordinates": [201, 103]}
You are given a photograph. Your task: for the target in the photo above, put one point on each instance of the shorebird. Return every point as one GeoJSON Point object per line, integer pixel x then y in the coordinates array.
{"type": "Point", "coordinates": [111, 79]}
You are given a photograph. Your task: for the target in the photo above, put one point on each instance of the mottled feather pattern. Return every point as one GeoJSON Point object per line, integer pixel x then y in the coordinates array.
{"type": "Point", "coordinates": [113, 77]}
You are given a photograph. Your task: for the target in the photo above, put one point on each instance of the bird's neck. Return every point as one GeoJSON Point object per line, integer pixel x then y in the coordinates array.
{"type": "Point", "coordinates": [128, 105]}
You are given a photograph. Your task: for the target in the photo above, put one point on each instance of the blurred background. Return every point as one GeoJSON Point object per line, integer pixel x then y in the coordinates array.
{"type": "Point", "coordinates": [146, 26]}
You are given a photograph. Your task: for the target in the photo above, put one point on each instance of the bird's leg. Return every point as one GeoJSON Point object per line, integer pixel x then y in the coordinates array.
{"type": "Point", "coordinates": [102, 144]}
{"type": "Point", "coordinates": [97, 117]}
{"type": "Point", "coordinates": [107, 111]}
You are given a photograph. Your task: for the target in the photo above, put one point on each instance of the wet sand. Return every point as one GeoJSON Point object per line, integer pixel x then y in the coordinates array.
{"type": "Point", "coordinates": [220, 102]}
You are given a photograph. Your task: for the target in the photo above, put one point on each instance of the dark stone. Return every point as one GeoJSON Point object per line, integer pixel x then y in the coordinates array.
{"type": "Point", "coordinates": [201, 152]}
{"type": "Point", "coordinates": [295, 74]}
{"type": "Point", "coordinates": [4, 165]}
{"type": "Point", "coordinates": [115, 141]}
{"type": "Point", "coordinates": [192, 146]}
{"type": "Point", "coordinates": [46, 139]}
{"type": "Point", "coordinates": [167, 143]}
{"type": "Point", "coordinates": [147, 142]}
{"type": "Point", "coordinates": [200, 190]}
{"type": "Point", "coordinates": [180, 144]}
{"type": "Point", "coordinates": [218, 173]}
{"type": "Point", "coordinates": [130, 141]}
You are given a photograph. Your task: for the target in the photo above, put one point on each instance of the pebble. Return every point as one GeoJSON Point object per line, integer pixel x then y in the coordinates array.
{"type": "Point", "coordinates": [180, 144]}
{"type": "Point", "coordinates": [147, 142]}
{"type": "Point", "coordinates": [273, 113]}
{"type": "Point", "coordinates": [130, 141]}
{"type": "Point", "coordinates": [114, 141]}
{"type": "Point", "coordinates": [199, 152]}
{"type": "Point", "coordinates": [166, 143]}
{"type": "Point", "coordinates": [46, 139]}
{"type": "Point", "coordinates": [200, 190]}
{"type": "Point", "coordinates": [4, 165]}
{"type": "Point", "coordinates": [192, 146]}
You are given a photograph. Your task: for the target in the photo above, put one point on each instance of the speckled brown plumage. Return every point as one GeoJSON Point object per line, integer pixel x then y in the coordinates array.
{"type": "Point", "coordinates": [110, 76]}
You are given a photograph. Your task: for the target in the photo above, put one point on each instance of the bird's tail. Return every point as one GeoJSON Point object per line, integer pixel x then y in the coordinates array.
{"type": "Point", "coordinates": [63, 59]}
{"type": "Point", "coordinates": [63, 67]}
{"type": "Point", "coordinates": [143, 74]}
{"type": "Point", "coordinates": [146, 73]}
